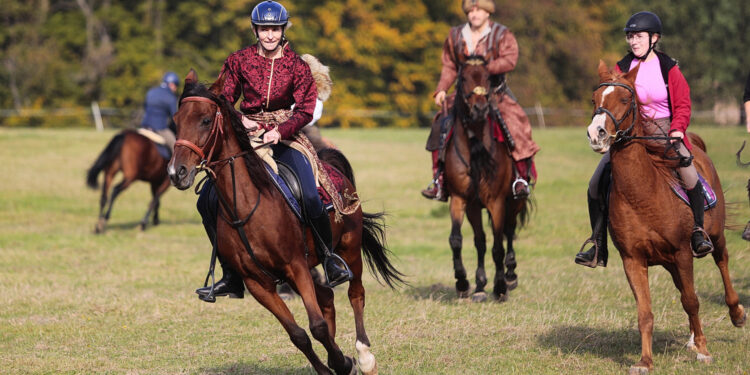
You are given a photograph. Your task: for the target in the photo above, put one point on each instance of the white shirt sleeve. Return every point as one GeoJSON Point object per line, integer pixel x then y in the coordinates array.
{"type": "Point", "coordinates": [317, 113]}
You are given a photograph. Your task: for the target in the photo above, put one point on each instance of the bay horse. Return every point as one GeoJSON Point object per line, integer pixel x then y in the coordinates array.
{"type": "Point", "coordinates": [478, 174]}
{"type": "Point", "coordinates": [138, 159]}
{"type": "Point", "coordinates": [261, 238]}
{"type": "Point", "coordinates": [649, 224]}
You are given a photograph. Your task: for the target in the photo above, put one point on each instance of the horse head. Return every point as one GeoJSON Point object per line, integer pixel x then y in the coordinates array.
{"type": "Point", "coordinates": [200, 130]}
{"type": "Point", "coordinates": [474, 90]}
{"type": "Point", "coordinates": [615, 108]}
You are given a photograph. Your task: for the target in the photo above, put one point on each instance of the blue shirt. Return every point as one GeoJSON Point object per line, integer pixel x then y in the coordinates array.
{"type": "Point", "coordinates": [160, 106]}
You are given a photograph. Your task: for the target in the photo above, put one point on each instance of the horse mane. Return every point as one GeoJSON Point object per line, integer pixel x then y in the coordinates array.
{"type": "Point", "coordinates": [255, 165]}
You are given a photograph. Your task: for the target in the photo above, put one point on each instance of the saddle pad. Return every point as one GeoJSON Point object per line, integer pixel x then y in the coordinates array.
{"type": "Point", "coordinates": [708, 193]}
{"type": "Point", "coordinates": [158, 140]}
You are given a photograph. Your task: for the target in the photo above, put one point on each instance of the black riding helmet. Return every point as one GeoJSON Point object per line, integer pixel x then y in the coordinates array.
{"type": "Point", "coordinates": [644, 21]}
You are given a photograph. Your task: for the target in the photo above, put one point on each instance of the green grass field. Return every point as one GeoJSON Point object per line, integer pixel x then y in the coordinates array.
{"type": "Point", "coordinates": [123, 302]}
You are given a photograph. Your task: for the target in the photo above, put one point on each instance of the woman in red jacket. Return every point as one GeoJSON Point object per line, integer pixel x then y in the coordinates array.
{"type": "Point", "coordinates": [665, 106]}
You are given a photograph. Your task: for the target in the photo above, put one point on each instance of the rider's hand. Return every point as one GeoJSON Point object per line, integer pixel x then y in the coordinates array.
{"type": "Point", "coordinates": [677, 134]}
{"type": "Point", "coordinates": [440, 98]}
{"type": "Point", "coordinates": [250, 125]}
{"type": "Point", "coordinates": [272, 136]}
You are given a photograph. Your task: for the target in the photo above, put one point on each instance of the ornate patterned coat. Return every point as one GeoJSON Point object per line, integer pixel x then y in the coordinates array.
{"type": "Point", "coordinates": [268, 85]}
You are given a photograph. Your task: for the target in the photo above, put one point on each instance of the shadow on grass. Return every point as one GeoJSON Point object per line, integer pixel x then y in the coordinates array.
{"type": "Point", "coordinates": [620, 346]}
{"type": "Point", "coordinates": [442, 293]}
{"type": "Point", "coordinates": [242, 368]}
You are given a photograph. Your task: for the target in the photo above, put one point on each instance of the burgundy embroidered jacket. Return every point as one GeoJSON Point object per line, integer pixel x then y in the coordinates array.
{"type": "Point", "coordinates": [270, 85]}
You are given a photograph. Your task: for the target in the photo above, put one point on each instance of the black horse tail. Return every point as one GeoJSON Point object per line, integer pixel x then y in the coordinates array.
{"type": "Point", "coordinates": [376, 254]}
{"type": "Point", "coordinates": [106, 158]}
{"type": "Point", "coordinates": [337, 160]}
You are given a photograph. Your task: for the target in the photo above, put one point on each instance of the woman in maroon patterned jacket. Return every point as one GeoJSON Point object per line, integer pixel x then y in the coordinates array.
{"type": "Point", "coordinates": [278, 99]}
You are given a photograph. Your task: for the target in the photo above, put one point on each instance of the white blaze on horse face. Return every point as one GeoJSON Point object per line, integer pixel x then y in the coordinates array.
{"type": "Point", "coordinates": [599, 120]}
{"type": "Point", "coordinates": [170, 167]}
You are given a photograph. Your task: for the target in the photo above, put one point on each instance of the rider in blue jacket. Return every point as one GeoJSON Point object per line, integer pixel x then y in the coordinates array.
{"type": "Point", "coordinates": [160, 106]}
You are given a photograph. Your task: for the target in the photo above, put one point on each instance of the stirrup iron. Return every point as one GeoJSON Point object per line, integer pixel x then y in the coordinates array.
{"type": "Point", "coordinates": [335, 257]}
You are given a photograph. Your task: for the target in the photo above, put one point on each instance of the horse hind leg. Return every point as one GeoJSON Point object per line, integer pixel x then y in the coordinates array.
{"type": "Point", "coordinates": [457, 207]}
{"type": "Point", "coordinates": [474, 214]}
{"type": "Point", "coordinates": [365, 359]}
{"type": "Point", "coordinates": [511, 279]}
{"type": "Point", "coordinates": [156, 192]}
{"type": "Point", "coordinates": [721, 257]}
{"type": "Point", "coordinates": [105, 200]}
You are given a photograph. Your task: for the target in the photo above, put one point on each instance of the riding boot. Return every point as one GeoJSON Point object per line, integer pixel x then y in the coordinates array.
{"type": "Point", "coordinates": [335, 269]}
{"type": "Point", "coordinates": [597, 255]}
{"type": "Point", "coordinates": [230, 284]}
{"type": "Point", "coordinates": [700, 243]}
{"type": "Point", "coordinates": [435, 189]}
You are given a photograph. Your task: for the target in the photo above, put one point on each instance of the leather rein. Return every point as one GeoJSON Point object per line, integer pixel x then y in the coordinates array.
{"type": "Point", "coordinates": [216, 135]}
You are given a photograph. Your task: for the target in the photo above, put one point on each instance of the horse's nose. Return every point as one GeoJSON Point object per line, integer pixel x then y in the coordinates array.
{"type": "Point", "coordinates": [602, 133]}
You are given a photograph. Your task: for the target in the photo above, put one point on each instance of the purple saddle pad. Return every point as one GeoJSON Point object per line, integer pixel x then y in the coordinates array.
{"type": "Point", "coordinates": [708, 193]}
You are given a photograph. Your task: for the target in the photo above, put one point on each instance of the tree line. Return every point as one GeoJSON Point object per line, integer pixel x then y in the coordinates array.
{"type": "Point", "coordinates": [384, 55]}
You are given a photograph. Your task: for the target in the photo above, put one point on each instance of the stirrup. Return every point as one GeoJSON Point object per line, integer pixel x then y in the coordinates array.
{"type": "Point", "coordinates": [706, 239]}
{"type": "Point", "coordinates": [333, 283]}
{"type": "Point", "coordinates": [524, 191]}
{"type": "Point", "coordinates": [594, 262]}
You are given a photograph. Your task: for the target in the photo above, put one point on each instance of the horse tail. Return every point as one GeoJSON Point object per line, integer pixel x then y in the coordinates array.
{"type": "Point", "coordinates": [337, 160]}
{"type": "Point", "coordinates": [376, 254]}
{"type": "Point", "coordinates": [108, 155]}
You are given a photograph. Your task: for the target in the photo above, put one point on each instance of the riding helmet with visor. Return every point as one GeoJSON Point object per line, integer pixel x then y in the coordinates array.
{"type": "Point", "coordinates": [171, 77]}
{"type": "Point", "coordinates": [644, 21]}
{"type": "Point", "coordinates": [269, 13]}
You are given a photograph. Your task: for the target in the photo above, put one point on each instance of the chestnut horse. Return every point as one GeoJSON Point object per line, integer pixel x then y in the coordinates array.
{"type": "Point", "coordinates": [478, 174]}
{"type": "Point", "coordinates": [649, 224]}
{"type": "Point", "coordinates": [138, 159]}
{"type": "Point", "coordinates": [260, 236]}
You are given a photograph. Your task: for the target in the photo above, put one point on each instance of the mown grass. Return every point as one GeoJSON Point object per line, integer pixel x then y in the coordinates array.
{"type": "Point", "coordinates": [123, 302]}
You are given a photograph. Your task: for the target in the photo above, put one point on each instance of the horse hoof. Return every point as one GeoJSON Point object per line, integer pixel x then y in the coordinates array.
{"type": "Point", "coordinates": [479, 297]}
{"type": "Point", "coordinates": [511, 283]}
{"type": "Point", "coordinates": [702, 358]}
{"type": "Point", "coordinates": [462, 294]}
{"type": "Point", "coordinates": [740, 322]}
{"type": "Point", "coordinates": [502, 297]}
{"type": "Point", "coordinates": [638, 370]}
{"type": "Point", "coordinates": [351, 362]}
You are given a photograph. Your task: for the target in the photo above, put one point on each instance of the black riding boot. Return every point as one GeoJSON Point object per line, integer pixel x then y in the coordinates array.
{"type": "Point", "coordinates": [230, 284]}
{"type": "Point", "coordinates": [700, 243]}
{"type": "Point", "coordinates": [597, 254]}
{"type": "Point", "coordinates": [335, 269]}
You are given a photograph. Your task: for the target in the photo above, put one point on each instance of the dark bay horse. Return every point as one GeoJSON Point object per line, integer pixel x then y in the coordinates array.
{"type": "Point", "coordinates": [478, 174]}
{"type": "Point", "coordinates": [138, 159]}
{"type": "Point", "coordinates": [648, 222]}
{"type": "Point", "coordinates": [261, 238]}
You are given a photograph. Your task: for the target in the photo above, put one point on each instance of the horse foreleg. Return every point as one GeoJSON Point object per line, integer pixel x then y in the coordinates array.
{"type": "Point", "coordinates": [637, 274]}
{"type": "Point", "coordinates": [457, 208]}
{"type": "Point", "coordinates": [156, 192]}
{"type": "Point", "coordinates": [266, 296]}
{"type": "Point", "coordinates": [365, 358]}
{"type": "Point", "coordinates": [721, 258]}
{"type": "Point", "coordinates": [511, 279]}
{"type": "Point", "coordinates": [474, 214]}
{"type": "Point", "coordinates": [319, 327]}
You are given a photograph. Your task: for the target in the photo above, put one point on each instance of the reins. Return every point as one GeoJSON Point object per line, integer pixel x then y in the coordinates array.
{"type": "Point", "coordinates": [230, 215]}
{"type": "Point", "coordinates": [622, 135]}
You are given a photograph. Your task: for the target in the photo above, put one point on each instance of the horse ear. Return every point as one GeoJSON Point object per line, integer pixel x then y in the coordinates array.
{"type": "Point", "coordinates": [191, 77]}
{"type": "Point", "coordinates": [218, 86]}
{"type": "Point", "coordinates": [630, 76]}
{"type": "Point", "coordinates": [603, 70]}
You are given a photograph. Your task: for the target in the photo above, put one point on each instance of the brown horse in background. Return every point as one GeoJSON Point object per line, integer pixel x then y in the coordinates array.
{"type": "Point", "coordinates": [138, 159]}
{"type": "Point", "coordinates": [649, 224]}
{"type": "Point", "coordinates": [478, 174]}
{"type": "Point", "coordinates": [746, 231]}
{"type": "Point", "coordinates": [262, 239]}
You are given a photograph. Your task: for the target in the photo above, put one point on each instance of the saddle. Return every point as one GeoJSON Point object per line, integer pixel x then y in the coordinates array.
{"type": "Point", "coordinates": [287, 182]}
{"type": "Point", "coordinates": [159, 142]}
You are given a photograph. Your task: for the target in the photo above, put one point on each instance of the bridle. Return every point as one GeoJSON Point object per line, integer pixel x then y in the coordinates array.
{"type": "Point", "coordinates": [632, 111]}
{"type": "Point", "coordinates": [622, 135]}
{"type": "Point", "coordinates": [230, 214]}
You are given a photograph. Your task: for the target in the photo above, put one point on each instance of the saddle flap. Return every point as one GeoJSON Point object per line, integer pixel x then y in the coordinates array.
{"type": "Point", "coordinates": [708, 193]}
